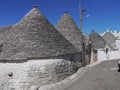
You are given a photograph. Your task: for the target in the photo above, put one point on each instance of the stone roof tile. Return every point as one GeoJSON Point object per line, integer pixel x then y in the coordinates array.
{"type": "Point", "coordinates": [34, 37]}
{"type": "Point", "coordinates": [110, 38]}
{"type": "Point", "coordinates": [96, 40]}
{"type": "Point", "coordinates": [68, 28]}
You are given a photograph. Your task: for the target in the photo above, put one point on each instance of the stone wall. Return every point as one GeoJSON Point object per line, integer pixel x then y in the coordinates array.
{"type": "Point", "coordinates": [94, 56]}
{"type": "Point", "coordinates": [32, 74]}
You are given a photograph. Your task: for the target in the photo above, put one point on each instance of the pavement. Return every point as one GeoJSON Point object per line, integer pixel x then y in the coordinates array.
{"type": "Point", "coordinates": [98, 76]}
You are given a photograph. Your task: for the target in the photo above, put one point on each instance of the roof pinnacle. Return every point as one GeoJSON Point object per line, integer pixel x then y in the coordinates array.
{"type": "Point", "coordinates": [34, 6]}
{"type": "Point", "coordinates": [66, 12]}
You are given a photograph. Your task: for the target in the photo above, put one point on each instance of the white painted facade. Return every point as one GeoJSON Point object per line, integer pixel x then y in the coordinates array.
{"type": "Point", "coordinates": [102, 55]}
{"type": "Point", "coordinates": [33, 74]}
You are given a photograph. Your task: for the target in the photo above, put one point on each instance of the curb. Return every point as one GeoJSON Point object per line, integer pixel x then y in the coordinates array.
{"type": "Point", "coordinates": [68, 81]}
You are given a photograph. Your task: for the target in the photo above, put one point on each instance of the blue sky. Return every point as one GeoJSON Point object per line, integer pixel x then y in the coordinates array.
{"type": "Point", "coordinates": [104, 14]}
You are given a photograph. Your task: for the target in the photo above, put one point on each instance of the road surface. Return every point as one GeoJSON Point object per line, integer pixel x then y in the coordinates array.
{"type": "Point", "coordinates": [100, 77]}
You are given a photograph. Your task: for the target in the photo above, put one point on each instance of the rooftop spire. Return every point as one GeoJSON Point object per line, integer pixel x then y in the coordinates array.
{"type": "Point", "coordinates": [34, 6]}
{"type": "Point", "coordinates": [66, 12]}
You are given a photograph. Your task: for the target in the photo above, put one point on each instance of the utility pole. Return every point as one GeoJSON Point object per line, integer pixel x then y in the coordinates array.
{"type": "Point", "coordinates": [81, 23]}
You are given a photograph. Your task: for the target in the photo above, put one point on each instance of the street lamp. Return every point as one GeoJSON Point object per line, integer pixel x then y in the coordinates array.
{"type": "Point", "coordinates": [81, 23]}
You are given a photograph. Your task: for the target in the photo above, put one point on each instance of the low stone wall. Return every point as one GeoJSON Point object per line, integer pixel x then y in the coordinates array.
{"type": "Point", "coordinates": [35, 73]}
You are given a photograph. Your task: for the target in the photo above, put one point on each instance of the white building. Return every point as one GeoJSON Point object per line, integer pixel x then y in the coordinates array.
{"type": "Point", "coordinates": [114, 53]}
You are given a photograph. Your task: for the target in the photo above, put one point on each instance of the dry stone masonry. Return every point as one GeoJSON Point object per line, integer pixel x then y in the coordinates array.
{"type": "Point", "coordinates": [68, 28]}
{"type": "Point", "coordinates": [33, 53]}
{"type": "Point", "coordinates": [35, 73]}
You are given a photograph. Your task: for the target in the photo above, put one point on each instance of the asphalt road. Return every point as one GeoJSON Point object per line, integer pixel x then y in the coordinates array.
{"type": "Point", "coordinates": [100, 77]}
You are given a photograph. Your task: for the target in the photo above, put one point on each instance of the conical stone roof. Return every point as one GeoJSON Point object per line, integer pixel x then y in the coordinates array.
{"type": "Point", "coordinates": [35, 37]}
{"type": "Point", "coordinates": [110, 38]}
{"type": "Point", "coordinates": [4, 31]}
{"type": "Point", "coordinates": [68, 28]}
{"type": "Point", "coordinates": [96, 40]}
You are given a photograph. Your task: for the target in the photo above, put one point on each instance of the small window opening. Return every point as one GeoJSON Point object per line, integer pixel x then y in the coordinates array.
{"type": "Point", "coordinates": [10, 74]}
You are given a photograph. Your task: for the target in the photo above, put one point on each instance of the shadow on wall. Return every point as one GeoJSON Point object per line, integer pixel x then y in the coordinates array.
{"type": "Point", "coordinates": [74, 57]}
{"type": "Point", "coordinates": [1, 47]}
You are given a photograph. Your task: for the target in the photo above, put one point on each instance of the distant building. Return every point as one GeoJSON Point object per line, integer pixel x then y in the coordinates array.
{"type": "Point", "coordinates": [111, 47]}
{"type": "Point", "coordinates": [101, 45]}
{"type": "Point", "coordinates": [96, 40]}
{"type": "Point", "coordinates": [115, 33]}
{"type": "Point", "coordinates": [110, 39]}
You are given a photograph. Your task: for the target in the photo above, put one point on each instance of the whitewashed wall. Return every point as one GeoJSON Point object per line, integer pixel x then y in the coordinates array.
{"type": "Point", "coordinates": [101, 56]}
{"type": "Point", "coordinates": [33, 74]}
{"type": "Point", "coordinates": [118, 43]}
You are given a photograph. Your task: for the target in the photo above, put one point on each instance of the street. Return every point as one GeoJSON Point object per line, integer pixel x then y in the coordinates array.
{"type": "Point", "coordinates": [103, 76]}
